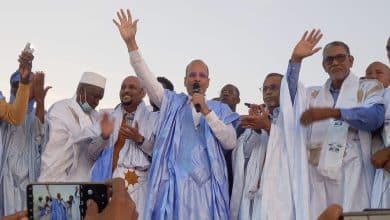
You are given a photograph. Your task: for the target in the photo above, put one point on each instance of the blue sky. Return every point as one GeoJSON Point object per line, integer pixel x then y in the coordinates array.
{"type": "Point", "coordinates": [241, 41]}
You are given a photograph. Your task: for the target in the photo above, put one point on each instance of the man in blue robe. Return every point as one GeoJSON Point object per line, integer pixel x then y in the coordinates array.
{"type": "Point", "coordinates": [22, 147]}
{"type": "Point", "coordinates": [188, 176]}
{"type": "Point", "coordinates": [57, 207]}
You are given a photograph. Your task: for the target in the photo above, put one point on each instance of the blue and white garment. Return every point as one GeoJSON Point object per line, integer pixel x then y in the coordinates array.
{"type": "Point", "coordinates": [132, 157]}
{"type": "Point", "coordinates": [380, 197]}
{"type": "Point", "coordinates": [188, 175]}
{"type": "Point", "coordinates": [20, 158]}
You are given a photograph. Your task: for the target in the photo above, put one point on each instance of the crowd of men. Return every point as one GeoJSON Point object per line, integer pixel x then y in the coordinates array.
{"type": "Point", "coordinates": [296, 153]}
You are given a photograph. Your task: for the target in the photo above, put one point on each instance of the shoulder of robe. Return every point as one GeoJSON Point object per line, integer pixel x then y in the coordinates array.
{"type": "Point", "coordinates": [387, 93]}
{"type": "Point", "coordinates": [369, 86]}
{"type": "Point", "coordinates": [59, 108]}
{"type": "Point", "coordinates": [219, 107]}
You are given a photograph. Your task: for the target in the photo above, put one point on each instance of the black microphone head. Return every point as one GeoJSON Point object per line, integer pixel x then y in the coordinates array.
{"type": "Point", "coordinates": [196, 87]}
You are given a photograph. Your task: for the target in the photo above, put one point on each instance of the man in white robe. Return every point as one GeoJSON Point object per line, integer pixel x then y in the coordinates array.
{"type": "Point", "coordinates": [64, 159]}
{"type": "Point", "coordinates": [340, 116]}
{"type": "Point", "coordinates": [127, 153]}
{"type": "Point", "coordinates": [381, 141]}
{"type": "Point", "coordinates": [249, 156]}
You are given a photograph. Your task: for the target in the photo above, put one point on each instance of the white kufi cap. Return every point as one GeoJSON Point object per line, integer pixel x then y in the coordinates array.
{"type": "Point", "coordinates": [94, 79]}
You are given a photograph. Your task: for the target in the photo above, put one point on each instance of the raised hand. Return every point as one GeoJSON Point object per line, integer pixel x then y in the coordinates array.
{"type": "Point", "coordinates": [39, 91]}
{"type": "Point", "coordinates": [25, 66]}
{"type": "Point", "coordinates": [306, 46]}
{"type": "Point", "coordinates": [107, 126]}
{"type": "Point", "coordinates": [127, 28]}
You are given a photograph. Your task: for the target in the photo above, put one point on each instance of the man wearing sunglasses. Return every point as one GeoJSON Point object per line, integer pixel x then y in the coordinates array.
{"type": "Point", "coordinates": [188, 178]}
{"type": "Point", "coordinates": [340, 116]}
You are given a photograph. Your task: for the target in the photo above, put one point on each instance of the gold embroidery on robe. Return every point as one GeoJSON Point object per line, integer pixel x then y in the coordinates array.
{"type": "Point", "coordinates": [314, 93]}
{"type": "Point", "coordinates": [131, 177]}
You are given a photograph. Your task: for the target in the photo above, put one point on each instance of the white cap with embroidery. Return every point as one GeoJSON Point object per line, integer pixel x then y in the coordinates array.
{"type": "Point", "coordinates": [94, 79]}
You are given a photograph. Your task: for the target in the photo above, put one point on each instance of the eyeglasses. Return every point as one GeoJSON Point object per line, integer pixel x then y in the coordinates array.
{"type": "Point", "coordinates": [339, 58]}
{"type": "Point", "coordinates": [200, 74]}
{"type": "Point", "coordinates": [271, 88]}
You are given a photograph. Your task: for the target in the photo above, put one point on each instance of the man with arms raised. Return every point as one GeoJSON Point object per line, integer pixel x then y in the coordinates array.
{"type": "Point", "coordinates": [188, 178]}
{"type": "Point", "coordinates": [340, 116]}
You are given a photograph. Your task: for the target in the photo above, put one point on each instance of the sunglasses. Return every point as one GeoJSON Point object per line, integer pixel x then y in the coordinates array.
{"type": "Point", "coordinates": [200, 74]}
{"type": "Point", "coordinates": [339, 58]}
{"type": "Point", "coordinates": [271, 88]}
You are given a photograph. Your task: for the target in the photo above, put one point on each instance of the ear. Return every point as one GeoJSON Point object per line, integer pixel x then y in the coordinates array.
{"type": "Point", "coordinates": [238, 100]}
{"type": "Point", "coordinates": [324, 66]}
{"type": "Point", "coordinates": [351, 59]}
{"type": "Point", "coordinates": [143, 93]}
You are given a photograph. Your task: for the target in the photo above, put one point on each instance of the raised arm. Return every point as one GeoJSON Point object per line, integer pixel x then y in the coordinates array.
{"type": "Point", "coordinates": [304, 48]}
{"type": "Point", "coordinates": [39, 93]}
{"type": "Point", "coordinates": [128, 29]}
{"type": "Point", "coordinates": [15, 113]}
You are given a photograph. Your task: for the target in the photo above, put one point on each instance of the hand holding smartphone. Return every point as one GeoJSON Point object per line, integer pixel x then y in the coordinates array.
{"type": "Point", "coordinates": [29, 48]}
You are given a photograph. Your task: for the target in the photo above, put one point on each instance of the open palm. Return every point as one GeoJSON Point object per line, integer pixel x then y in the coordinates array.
{"type": "Point", "coordinates": [306, 46]}
{"type": "Point", "coordinates": [126, 26]}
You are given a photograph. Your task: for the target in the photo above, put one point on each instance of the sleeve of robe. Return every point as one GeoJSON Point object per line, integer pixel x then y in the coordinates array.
{"type": "Point", "coordinates": [153, 88]}
{"type": "Point", "coordinates": [15, 113]}
{"type": "Point", "coordinates": [57, 158]}
{"type": "Point", "coordinates": [225, 133]}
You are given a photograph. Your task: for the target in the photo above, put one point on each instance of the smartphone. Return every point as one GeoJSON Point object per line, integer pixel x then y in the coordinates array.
{"type": "Point", "coordinates": [63, 200]}
{"type": "Point", "coordinates": [29, 48]}
{"type": "Point", "coordinates": [247, 104]}
{"type": "Point", "coordinates": [368, 214]}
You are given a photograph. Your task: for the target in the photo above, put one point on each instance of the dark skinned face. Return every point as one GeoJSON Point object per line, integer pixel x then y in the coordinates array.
{"type": "Point", "coordinates": [197, 72]}
{"type": "Point", "coordinates": [229, 96]}
{"type": "Point", "coordinates": [91, 94]}
{"type": "Point", "coordinates": [380, 72]}
{"type": "Point", "coordinates": [271, 92]}
{"type": "Point", "coordinates": [337, 63]}
{"type": "Point", "coordinates": [131, 93]}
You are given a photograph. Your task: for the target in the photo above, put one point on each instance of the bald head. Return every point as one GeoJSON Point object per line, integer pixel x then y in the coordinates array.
{"type": "Point", "coordinates": [379, 71]}
{"type": "Point", "coordinates": [197, 72]}
{"type": "Point", "coordinates": [131, 93]}
{"type": "Point", "coordinates": [199, 63]}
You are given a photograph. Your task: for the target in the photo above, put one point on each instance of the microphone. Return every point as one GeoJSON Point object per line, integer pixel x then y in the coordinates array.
{"type": "Point", "coordinates": [196, 89]}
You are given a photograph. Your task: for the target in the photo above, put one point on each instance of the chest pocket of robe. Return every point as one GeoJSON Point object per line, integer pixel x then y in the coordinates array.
{"type": "Point", "coordinates": [201, 165]}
